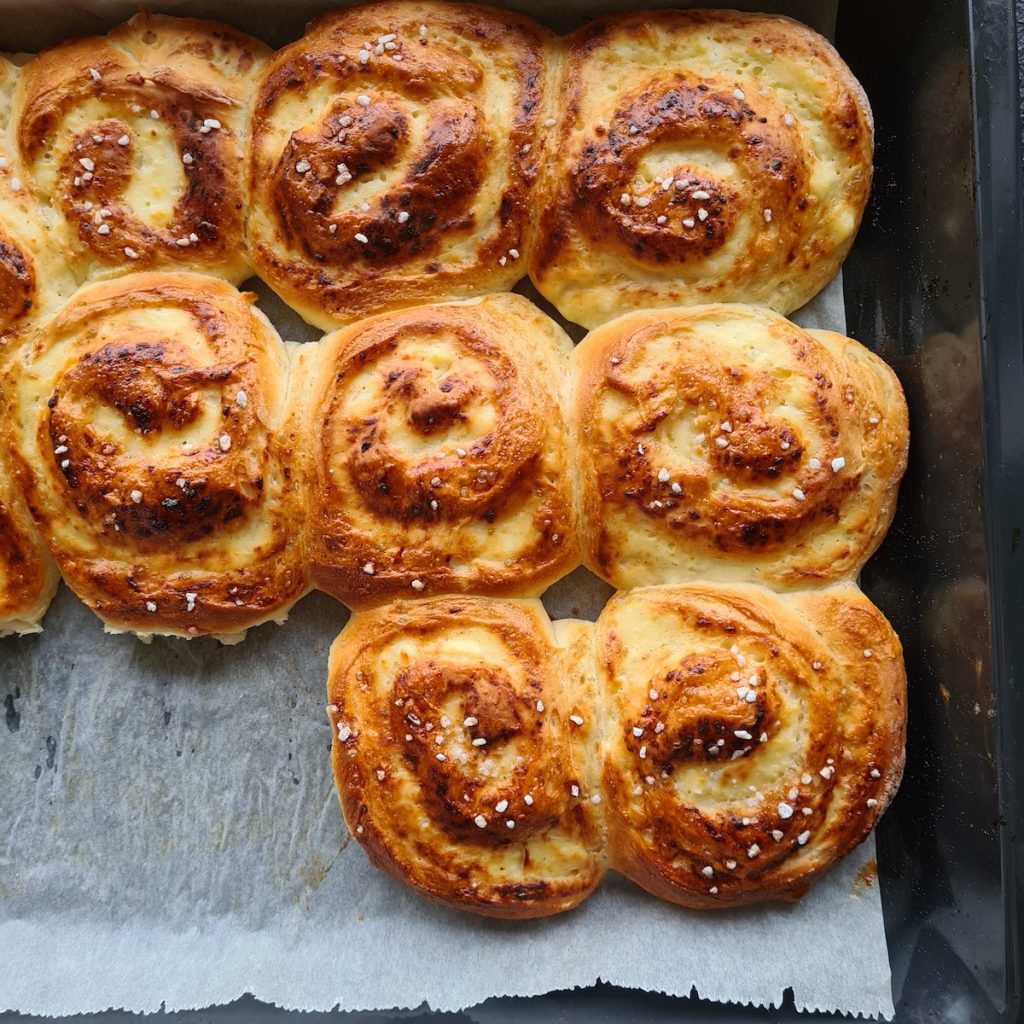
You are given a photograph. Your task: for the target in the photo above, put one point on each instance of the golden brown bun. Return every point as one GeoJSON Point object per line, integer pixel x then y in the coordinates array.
{"type": "Point", "coordinates": [718, 744]}
{"type": "Point", "coordinates": [700, 156]}
{"type": "Point", "coordinates": [419, 192]}
{"type": "Point", "coordinates": [147, 416]}
{"type": "Point", "coordinates": [28, 577]}
{"type": "Point", "coordinates": [505, 827]}
{"type": "Point", "coordinates": [34, 276]}
{"type": "Point", "coordinates": [771, 735]}
{"type": "Point", "coordinates": [724, 442]}
{"type": "Point", "coordinates": [132, 191]}
{"type": "Point", "coordinates": [440, 453]}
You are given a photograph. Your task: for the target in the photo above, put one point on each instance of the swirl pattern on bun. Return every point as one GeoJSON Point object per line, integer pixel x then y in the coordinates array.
{"type": "Point", "coordinates": [149, 429]}
{"type": "Point", "coordinates": [724, 442]}
{"type": "Point", "coordinates": [439, 451]}
{"type": "Point", "coordinates": [393, 153]}
{"type": "Point", "coordinates": [700, 156]}
{"type": "Point", "coordinates": [751, 739]}
{"type": "Point", "coordinates": [457, 752]}
{"type": "Point", "coordinates": [134, 142]}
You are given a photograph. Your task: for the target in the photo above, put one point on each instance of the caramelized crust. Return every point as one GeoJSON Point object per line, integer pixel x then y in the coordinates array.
{"type": "Point", "coordinates": [394, 149]}
{"type": "Point", "coordinates": [724, 442]}
{"type": "Point", "coordinates": [34, 276]}
{"type": "Point", "coordinates": [134, 142]}
{"type": "Point", "coordinates": [457, 763]}
{"type": "Point", "coordinates": [700, 156]}
{"type": "Point", "coordinates": [751, 739]}
{"type": "Point", "coordinates": [440, 454]}
{"type": "Point", "coordinates": [148, 429]}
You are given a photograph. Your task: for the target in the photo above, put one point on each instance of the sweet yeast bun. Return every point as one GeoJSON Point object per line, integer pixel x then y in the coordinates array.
{"type": "Point", "coordinates": [134, 142]}
{"type": "Point", "coordinates": [440, 453]}
{"type": "Point", "coordinates": [460, 731]}
{"type": "Point", "coordinates": [393, 153]}
{"type": "Point", "coordinates": [750, 740]}
{"type": "Point", "coordinates": [724, 442]}
{"type": "Point", "coordinates": [151, 434]}
{"type": "Point", "coordinates": [700, 156]}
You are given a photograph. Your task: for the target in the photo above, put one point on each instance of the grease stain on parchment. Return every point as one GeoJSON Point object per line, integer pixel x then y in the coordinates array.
{"type": "Point", "coordinates": [865, 878]}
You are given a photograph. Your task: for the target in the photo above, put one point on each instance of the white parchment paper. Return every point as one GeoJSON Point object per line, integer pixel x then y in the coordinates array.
{"type": "Point", "coordinates": [170, 835]}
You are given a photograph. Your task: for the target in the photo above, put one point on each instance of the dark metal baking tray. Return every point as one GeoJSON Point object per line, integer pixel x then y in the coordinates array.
{"type": "Point", "coordinates": [934, 283]}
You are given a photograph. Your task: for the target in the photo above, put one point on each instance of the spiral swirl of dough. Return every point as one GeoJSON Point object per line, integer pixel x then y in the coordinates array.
{"type": "Point", "coordinates": [750, 740]}
{"type": "Point", "coordinates": [701, 156]}
{"type": "Point", "coordinates": [724, 442]}
{"type": "Point", "coordinates": [135, 142]}
{"type": "Point", "coordinates": [454, 757]}
{"type": "Point", "coordinates": [440, 453]}
{"type": "Point", "coordinates": [393, 153]}
{"type": "Point", "coordinates": [149, 413]}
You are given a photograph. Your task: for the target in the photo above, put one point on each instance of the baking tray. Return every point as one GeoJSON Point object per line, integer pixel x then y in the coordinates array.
{"type": "Point", "coordinates": [934, 284]}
